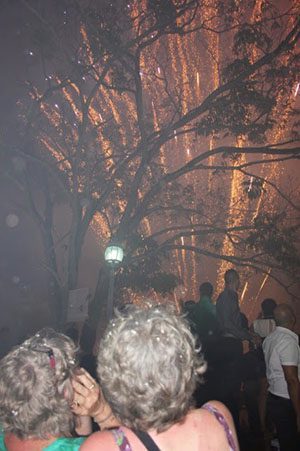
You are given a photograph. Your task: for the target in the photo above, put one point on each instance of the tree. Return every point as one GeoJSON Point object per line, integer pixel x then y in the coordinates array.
{"type": "Point", "coordinates": [116, 101]}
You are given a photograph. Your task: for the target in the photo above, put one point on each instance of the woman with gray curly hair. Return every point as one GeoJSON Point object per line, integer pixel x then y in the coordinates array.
{"type": "Point", "coordinates": [36, 394]}
{"type": "Point", "coordinates": [148, 367]}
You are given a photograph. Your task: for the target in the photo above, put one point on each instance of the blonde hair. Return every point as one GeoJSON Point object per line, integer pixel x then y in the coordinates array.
{"type": "Point", "coordinates": [148, 367]}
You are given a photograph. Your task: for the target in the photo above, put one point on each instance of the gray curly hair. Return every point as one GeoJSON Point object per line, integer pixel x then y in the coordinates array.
{"type": "Point", "coordinates": [148, 367]}
{"type": "Point", "coordinates": [34, 385]}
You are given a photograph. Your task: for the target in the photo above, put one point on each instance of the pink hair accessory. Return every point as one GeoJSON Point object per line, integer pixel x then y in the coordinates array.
{"type": "Point", "coordinates": [51, 358]}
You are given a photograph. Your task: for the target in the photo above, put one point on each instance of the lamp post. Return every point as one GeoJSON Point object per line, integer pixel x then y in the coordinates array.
{"type": "Point", "coordinates": [113, 256]}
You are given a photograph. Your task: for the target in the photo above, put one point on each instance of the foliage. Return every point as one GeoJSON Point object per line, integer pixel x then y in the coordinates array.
{"type": "Point", "coordinates": [253, 188]}
{"type": "Point", "coordinates": [129, 138]}
{"type": "Point", "coordinates": [278, 240]}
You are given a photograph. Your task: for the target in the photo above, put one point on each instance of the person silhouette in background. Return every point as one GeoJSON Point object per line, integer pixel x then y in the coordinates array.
{"type": "Point", "coordinates": [266, 324]}
{"type": "Point", "coordinates": [202, 315]}
{"type": "Point", "coordinates": [230, 350]}
{"type": "Point", "coordinates": [205, 327]}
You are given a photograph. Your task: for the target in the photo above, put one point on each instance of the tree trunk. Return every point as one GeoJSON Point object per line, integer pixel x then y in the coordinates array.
{"type": "Point", "coordinates": [54, 287]}
{"type": "Point", "coordinates": [97, 318]}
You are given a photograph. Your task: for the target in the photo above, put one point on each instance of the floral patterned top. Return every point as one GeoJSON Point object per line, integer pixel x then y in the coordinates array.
{"type": "Point", "coordinates": [121, 440]}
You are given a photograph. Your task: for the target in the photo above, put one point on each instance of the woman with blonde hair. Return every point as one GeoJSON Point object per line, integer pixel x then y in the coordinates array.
{"type": "Point", "coordinates": [148, 368]}
{"type": "Point", "coordinates": [36, 395]}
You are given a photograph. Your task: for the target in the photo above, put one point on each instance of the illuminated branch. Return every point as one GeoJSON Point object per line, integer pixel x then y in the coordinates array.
{"type": "Point", "coordinates": [191, 165]}
{"type": "Point", "coordinates": [242, 263]}
{"type": "Point", "coordinates": [268, 182]}
{"type": "Point", "coordinates": [238, 261]}
{"type": "Point", "coordinates": [287, 44]}
{"type": "Point", "coordinates": [205, 230]}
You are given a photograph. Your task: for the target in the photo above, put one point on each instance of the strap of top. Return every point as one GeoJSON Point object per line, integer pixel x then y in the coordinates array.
{"type": "Point", "coordinates": [124, 445]}
{"type": "Point", "coordinates": [221, 419]}
{"type": "Point", "coordinates": [147, 441]}
{"type": "Point", "coordinates": [121, 439]}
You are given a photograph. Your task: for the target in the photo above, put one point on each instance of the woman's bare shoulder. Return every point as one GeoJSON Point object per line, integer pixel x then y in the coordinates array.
{"type": "Point", "coordinates": [99, 440]}
{"type": "Point", "coordinates": [210, 423]}
{"type": "Point", "coordinates": [204, 417]}
{"type": "Point", "coordinates": [220, 407]}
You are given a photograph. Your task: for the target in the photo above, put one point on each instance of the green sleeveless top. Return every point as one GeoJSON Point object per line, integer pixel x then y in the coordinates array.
{"type": "Point", "coordinates": [61, 444]}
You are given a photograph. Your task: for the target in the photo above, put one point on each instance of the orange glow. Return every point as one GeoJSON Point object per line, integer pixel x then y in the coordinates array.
{"type": "Point", "coordinates": [189, 71]}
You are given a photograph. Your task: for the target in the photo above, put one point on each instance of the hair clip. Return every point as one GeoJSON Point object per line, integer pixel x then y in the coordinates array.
{"type": "Point", "coordinates": [51, 358]}
{"type": "Point", "coordinates": [45, 350]}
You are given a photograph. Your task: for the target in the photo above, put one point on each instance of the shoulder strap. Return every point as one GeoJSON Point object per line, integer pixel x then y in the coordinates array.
{"type": "Point", "coordinates": [121, 439]}
{"type": "Point", "coordinates": [221, 419]}
{"type": "Point", "coordinates": [147, 441]}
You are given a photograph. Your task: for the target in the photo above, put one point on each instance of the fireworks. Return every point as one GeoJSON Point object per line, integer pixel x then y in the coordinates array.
{"type": "Point", "coordinates": [176, 72]}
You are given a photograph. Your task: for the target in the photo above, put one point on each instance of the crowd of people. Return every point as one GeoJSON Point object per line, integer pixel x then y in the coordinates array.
{"type": "Point", "coordinates": [163, 381]}
{"type": "Point", "coordinates": [260, 385]}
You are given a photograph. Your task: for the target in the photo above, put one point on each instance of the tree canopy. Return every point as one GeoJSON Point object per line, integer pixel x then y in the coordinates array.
{"type": "Point", "coordinates": [165, 125]}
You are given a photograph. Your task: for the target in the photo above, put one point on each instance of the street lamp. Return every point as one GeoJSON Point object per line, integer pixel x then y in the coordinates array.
{"type": "Point", "coordinates": [113, 256]}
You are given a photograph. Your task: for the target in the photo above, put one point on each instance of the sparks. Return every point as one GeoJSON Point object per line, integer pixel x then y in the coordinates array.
{"type": "Point", "coordinates": [250, 185]}
{"type": "Point", "coordinates": [243, 293]}
{"type": "Point", "coordinates": [184, 62]}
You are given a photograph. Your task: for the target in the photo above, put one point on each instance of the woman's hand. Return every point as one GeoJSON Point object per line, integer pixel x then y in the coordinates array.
{"type": "Point", "coordinates": [88, 400]}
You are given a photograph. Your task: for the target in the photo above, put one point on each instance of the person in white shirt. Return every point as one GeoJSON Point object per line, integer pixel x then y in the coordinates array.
{"type": "Point", "coordinates": [263, 326]}
{"type": "Point", "coordinates": [282, 356]}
